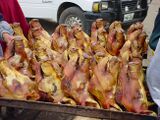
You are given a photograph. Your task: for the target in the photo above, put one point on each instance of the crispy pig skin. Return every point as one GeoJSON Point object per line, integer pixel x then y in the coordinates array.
{"type": "Point", "coordinates": [103, 82]}
{"type": "Point", "coordinates": [115, 39]}
{"type": "Point", "coordinates": [70, 67]}
{"type": "Point", "coordinates": [60, 38]}
{"type": "Point", "coordinates": [50, 83]}
{"type": "Point", "coordinates": [46, 64]}
{"type": "Point", "coordinates": [130, 89]}
{"type": "Point", "coordinates": [19, 32]}
{"type": "Point", "coordinates": [18, 85]}
{"type": "Point", "coordinates": [76, 79]}
{"type": "Point", "coordinates": [99, 35]}
{"type": "Point", "coordinates": [131, 92]}
{"type": "Point", "coordinates": [20, 59]}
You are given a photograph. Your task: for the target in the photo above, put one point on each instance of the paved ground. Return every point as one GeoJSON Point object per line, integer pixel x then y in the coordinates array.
{"type": "Point", "coordinates": [152, 12]}
{"type": "Point", "coordinates": [148, 26]}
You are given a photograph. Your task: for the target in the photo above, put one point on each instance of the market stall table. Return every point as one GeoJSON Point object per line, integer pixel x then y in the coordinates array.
{"type": "Point", "coordinates": [74, 110]}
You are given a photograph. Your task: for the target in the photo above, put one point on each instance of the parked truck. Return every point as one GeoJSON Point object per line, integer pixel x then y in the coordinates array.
{"type": "Point", "coordinates": [84, 12]}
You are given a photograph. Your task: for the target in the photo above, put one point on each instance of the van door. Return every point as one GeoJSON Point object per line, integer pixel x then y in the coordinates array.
{"type": "Point", "coordinates": [38, 8]}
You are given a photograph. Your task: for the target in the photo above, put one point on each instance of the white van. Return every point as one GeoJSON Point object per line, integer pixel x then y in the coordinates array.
{"type": "Point", "coordinates": [84, 12]}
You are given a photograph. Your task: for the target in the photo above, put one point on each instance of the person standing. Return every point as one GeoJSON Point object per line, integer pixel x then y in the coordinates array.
{"type": "Point", "coordinates": [155, 33]}
{"type": "Point", "coordinates": [10, 12]}
{"type": "Point", "coordinates": [6, 34]}
{"type": "Point", "coordinates": [153, 70]}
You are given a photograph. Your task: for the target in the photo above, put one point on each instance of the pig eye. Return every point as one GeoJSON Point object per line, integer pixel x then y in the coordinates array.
{"type": "Point", "coordinates": [54, 88]}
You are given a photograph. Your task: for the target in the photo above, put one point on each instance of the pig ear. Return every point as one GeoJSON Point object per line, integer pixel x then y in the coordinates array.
{"type": "Point", "coordinates": [9, 49]}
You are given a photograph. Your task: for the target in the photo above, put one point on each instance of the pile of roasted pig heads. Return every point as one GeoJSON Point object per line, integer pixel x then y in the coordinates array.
{"type": "Point", "coordinates": [103, 70]}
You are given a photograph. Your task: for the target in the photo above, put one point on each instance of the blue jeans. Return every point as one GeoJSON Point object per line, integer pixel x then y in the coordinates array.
{"type": "Point", "coordinates": [1, 51]}
{"type": "Point", "coordinates": [158, 118]}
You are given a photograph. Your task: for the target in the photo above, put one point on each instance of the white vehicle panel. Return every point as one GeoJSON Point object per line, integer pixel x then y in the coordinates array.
{"type": "Point", "coordinates": [48, 9]}
{"type": "Point", "coordinates": [30, 1]}
{"type": "Point", "coordinates": [38, 10]}
{"type": "Point", "coordinates": [85, 5]}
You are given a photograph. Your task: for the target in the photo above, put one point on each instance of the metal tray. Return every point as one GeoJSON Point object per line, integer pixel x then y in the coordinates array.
{"type": "Point", "coordinates": [74, 110]}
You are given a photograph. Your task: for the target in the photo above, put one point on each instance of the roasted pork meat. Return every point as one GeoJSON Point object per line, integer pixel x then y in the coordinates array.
{"type": "Point", "coordinates": [19, 86]}
{"type": "Point", "coordinates": [70, 67]}
{"type": "Point", "coordinates": [60, 39]}
{"type": "Point", "coordinates": [130, 89]}
{"type": "Point", "coordinates": [104, 82]}
{"type": "Point", "coordinates": [99, 35]}
{"type": "Point", "coordinates": [115, 39]}
{"type": "Point", "coordinates": [18, 32]}
{"type": "Point", "coordinates": [76, 79]}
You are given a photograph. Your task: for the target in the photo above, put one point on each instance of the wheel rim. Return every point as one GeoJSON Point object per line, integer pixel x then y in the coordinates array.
{"type": "Point", "coordinates": [73, 20]}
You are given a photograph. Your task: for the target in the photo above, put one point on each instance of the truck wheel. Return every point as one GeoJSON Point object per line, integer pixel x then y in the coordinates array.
{"type": "Point", "coordinates": [74, 15]}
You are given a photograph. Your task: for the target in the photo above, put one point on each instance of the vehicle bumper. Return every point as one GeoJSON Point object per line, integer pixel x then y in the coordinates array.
{"type": "Point", "coordinates": [139, 16]}
{"type": "Point", "coordinates": [108, 16]}
{"type": "Point", "coordinates": [128, 23]}
{"type": "Point", "coordinates": [112, 16]}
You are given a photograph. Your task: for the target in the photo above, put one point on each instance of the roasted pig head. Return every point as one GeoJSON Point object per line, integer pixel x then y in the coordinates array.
{"type": "Point", "coordinates": [103, 82]}
{"type": "Point", "coordinates": [37, 31]}
{"type": "Point", "coordinates": [40, 45]}
{"type": "Point", "coordinates": [35, 24]}
{"type": "Point", "coordinates": [98, 33]}
{"type": "Point", "coordinates": [82, 39]}
{"type": "Point", "coordinates": [137, 36]}
{"type": "Point", "coordinates": [19, 32]}
{"type": "Point", "coordinates": [21, 59]}
{"type": "Point", "coordinates": [19, 85]}
{"type": "Point", "coordinates": [130, 91]}
{"type": "Point", "coordinates": [60, 38]}
{"type": "Point", "coordinates": [75, 81]}
{"type": "Point", "coordinates": [9, 51]}
{"type": "Point", "coordinates": [50, 84]}
{"type": "Point", "coordinates": [115, 39]}
{"type": "Point", "coordinates": [4, 92]}
{"type": "Point", "coordinates": [40, 37]}
{"type": "Point", "coordinates": [20, 48]}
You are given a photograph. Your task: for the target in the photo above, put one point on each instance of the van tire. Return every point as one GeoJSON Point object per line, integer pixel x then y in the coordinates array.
{"type": "Point", "coordinates": [77, 13]}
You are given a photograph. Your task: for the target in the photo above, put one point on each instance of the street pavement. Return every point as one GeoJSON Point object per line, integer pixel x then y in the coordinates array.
{"type": "Point", "coordinates": [152, 12]}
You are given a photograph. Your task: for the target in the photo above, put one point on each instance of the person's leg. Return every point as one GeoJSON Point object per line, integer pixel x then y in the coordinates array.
{"type": "Point", "coordinates": [158, 118]}
{"type": "Point", "coordinates": [1, 51]}
{"type": "Point", "coordinates": [2, 47]}
{"type": "Point", "coordinates": [155, 32]}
